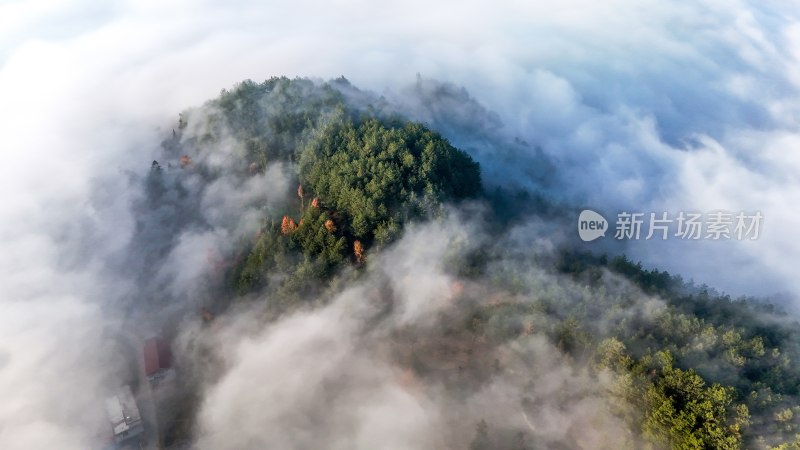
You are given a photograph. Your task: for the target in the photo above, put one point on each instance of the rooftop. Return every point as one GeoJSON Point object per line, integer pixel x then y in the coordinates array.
{"type": "Point", "coordinates": [122, 411]}
{"type": "Point", "coordinates": [157, 356]}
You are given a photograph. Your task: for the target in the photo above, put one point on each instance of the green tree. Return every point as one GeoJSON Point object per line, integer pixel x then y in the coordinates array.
{"type": "Point", "coordinates": [377, 176]}
{"type": "Point", "coordinates": [682, 412]}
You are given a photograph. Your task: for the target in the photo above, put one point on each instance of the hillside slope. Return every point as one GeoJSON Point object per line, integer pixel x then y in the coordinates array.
{"type": "Point", "coordinates": [680, 366]}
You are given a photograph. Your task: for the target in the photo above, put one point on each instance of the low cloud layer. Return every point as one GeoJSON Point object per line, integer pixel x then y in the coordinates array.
{"type": "Point", "coordinates": [639, 105]}
{"type": "Point", "coordinates": [338, 376]}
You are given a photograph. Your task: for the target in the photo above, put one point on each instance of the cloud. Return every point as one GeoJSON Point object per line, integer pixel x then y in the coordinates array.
{"type": "Point", "coordinates": [338, 376]}
{"type": "Point", "coordinates": [321, 386]}
{"type": "Point", "coordinates": [639, 105]}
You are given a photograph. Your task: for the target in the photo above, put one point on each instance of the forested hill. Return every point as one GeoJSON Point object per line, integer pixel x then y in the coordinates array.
{"type": "Point", "coordinates": [682, 366]}
{"type": "Point", "coordinates": [357, 176]}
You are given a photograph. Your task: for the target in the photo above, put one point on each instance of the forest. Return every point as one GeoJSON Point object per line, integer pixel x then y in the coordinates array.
{"type": "Point", "coordinates": [687, 367]}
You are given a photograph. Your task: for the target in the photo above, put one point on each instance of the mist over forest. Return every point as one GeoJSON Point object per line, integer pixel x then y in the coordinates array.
{"type": "Point", "coordinates": [360, 229]}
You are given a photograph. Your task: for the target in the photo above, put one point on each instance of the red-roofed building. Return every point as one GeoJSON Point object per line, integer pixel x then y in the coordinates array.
{"type": "Point", "coordinates": [157, 359]}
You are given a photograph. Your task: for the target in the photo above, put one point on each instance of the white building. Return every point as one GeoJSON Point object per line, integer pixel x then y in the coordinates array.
{"type": "Point", "coordinates": [123, 413]}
